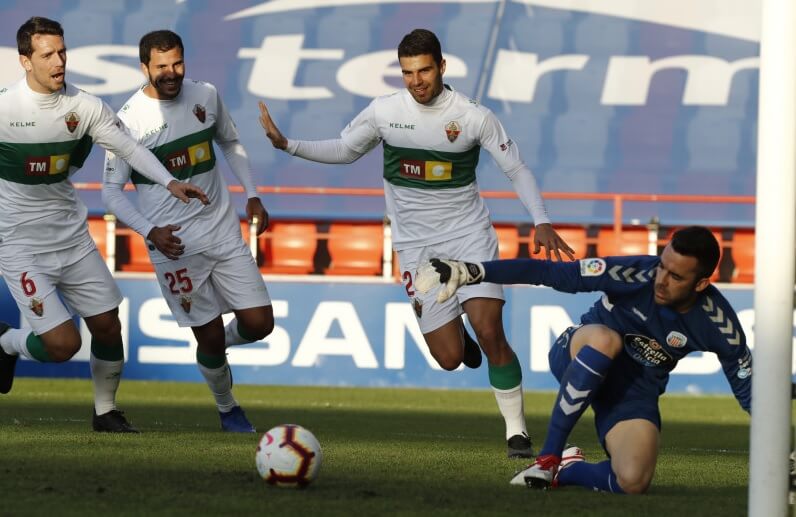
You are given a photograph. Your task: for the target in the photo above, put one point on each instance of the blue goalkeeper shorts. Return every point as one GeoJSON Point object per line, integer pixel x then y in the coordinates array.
{"type": "Point", "coordinates": [624, 395]}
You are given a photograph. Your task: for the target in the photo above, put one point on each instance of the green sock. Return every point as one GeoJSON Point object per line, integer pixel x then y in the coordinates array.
{"type": "Point", "coordinates": [36, 348]}
{"type": "Point", "coordinates": [107, 352]}
{"type": "Point", "coordinates": [210, 361]}
{"type": "Point", "coordinates": [507, 376]}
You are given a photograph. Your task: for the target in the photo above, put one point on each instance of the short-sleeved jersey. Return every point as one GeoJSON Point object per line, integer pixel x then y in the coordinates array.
{"type": "Point", "coordinates": [44, 139]}
{"type": "Point", "coordinates": [180, 132]}
{"type": "Point", "coordinates": [655, 336]}
{"type": "Point", "coordinates": [430, 157]}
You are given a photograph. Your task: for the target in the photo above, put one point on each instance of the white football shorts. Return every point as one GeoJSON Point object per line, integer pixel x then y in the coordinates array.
{"type": "Point", "coordinates": [201, 287]}
{"type": "Point", "coordinates": [51, 287]}
{"type": "Point", "coordinates": [478, 246]}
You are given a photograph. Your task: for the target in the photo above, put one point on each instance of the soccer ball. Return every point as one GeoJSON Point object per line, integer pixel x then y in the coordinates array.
{"type": "Point", "coordinates": [288, 455]}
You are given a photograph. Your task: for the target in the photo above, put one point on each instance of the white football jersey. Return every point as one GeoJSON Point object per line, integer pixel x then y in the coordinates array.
{"type": "Point", "coordinates": [44, 139]}
{"type": "Point", "coordinates": [430, 157]}
{"type": "Point", "coordinates": [180, 132]}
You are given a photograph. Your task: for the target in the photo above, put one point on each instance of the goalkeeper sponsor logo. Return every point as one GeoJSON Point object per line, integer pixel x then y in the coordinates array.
{"type": "Point", "coordinates": [426, 170]}
{"type": "Point", "coordinates": [647, 351]}
{"type": "Point", "coordinates": [188, 157]}
{"type": "Point", "coordinates": [46, 165]}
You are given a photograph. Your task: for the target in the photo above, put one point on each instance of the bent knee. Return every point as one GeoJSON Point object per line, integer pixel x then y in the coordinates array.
{"type": "Point", "coordinates": [634, 483]}
{"type": "Point", "coordinates": [448, 362]}
{"type": "Point", "coordinates": [605, 340]}
{"type": "Point", "coordinates": [63, 351]}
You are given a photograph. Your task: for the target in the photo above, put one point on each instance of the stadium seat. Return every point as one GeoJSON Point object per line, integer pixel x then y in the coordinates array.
{"type": "Point", "coordinates": [632, 241]}
{"type": "Point", "coordinates": [355, 248]}
{"type": "Point", "coordinates": [508, 241]}
{"type": "Point", "coordinates": [290, 248]}
{"type": "Point", "coordinates": [138, 254]}
{"type": "Point", "coordinates": [98, 228]}
{"type": "Point", "coordinates": [743, 256]}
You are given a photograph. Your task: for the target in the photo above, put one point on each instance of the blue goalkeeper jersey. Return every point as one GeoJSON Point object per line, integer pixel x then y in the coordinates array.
{"type": "Point", "coordinates": [655, 336]}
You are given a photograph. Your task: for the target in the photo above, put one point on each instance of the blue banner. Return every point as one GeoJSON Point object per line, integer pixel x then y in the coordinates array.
{"type": "Point", "coordinates": [356, 334]}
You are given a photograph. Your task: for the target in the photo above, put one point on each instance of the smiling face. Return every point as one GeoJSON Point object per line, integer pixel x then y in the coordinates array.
{"type": "Point", "coordinates": [45, 69]}
{"type": "Point", "coordinates": [422, 76]}
{"type": "Point", "coordinates": [677, 281]}
{"type": "Point", "coordinates": [165, 73]}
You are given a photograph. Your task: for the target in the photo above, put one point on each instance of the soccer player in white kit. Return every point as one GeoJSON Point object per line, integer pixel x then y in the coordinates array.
{"type": "Point", "coordinates": [203, 266]}
{"type": "Point", "coordinates": [45, 249]}
{"type": "Point", "coordinates": [431, 137]}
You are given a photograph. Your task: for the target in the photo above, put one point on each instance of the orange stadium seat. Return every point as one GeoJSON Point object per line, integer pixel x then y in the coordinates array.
{"type": "Point", "coordinates": [743, 255]}
{"type": "Point", "coordinates": [634, 241]}
{"type": "Point", "coordinates": [355, 249]}
{"type": "Point", "coordinates": [139, 256]}
{"type": "Point", "coordinates": [575, 236]}
{"type": "Point", "coordinates": [98, 228]}
{"type": "Point", "coordinates": [508, 241]}
{"type": "Point", "coordinates": [290, 248]}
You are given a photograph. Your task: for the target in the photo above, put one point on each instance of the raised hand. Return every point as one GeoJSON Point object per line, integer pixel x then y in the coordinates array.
{"type": "Point", "coordinates": [545, 236]}
{"type": "Point", "coordinates": [271, 131]}
{"type": "Point", "coordinates": [449, 274]}
{"type": "Point", "coordinates": [185, 191]}
{"type": "Point", "coordinates": [166, 242]}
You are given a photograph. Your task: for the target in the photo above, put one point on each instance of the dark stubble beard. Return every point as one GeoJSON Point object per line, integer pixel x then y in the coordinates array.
{"type": "Point", "coordinates": [160, 85]}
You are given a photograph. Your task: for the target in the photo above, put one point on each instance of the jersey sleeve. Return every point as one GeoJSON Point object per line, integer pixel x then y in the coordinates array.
{"type": "Point", "coordinates": [611, 275]}
{"type": "Point", "coordinates": [727, 340]}
{"type": "Point", "coordinates": [227, 138]}
{"type": "Point", "coordinates": [504, 151]}
{"type": "Point", "coordinates": [362, 133]}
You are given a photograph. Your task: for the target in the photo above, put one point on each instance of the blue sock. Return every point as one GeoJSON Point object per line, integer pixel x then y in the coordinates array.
{"type": "Point", "coordinates": [598, 476]}
{"type": "Point", "coordinates": [580, 380]}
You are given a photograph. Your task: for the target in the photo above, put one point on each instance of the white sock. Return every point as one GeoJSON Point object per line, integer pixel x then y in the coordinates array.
{"type": "Point", "coordinates": [231, 335]}
{"type": "Point", "coordinates": [14, 342]}
{"type": "Point", "coordinates": [106, 376]}
{"type": "Point", "coordinates": [511, 406]}
{"type": "Point", "coordinates": [219, 380]}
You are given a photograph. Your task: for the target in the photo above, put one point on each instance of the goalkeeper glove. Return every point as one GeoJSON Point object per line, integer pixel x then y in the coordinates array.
{"type": "Point", "coordinates": [449, 274]}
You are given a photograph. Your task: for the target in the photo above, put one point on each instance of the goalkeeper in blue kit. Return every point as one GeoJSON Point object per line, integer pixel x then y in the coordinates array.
{"type": "Point", "coordinates": [654, 311]}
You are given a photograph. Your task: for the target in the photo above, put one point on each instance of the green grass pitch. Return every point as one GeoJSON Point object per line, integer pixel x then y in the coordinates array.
{"type": "Point", "coordinates": [386, 452]}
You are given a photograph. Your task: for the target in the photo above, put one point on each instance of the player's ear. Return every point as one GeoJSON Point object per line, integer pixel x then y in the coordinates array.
{"type": "Point", "coordinates": [702, 284]}
{"type": "Point", "coordinates": [442, 67]}
{"type": "Point", "coordinates": [25, 62]}
{"type": "Point", "coordinates": [145, 70]}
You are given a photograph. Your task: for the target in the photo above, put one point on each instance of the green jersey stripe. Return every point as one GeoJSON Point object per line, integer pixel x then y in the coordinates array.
{"type": "Point", "coordinates": [427, 169]}
{"type": "Point", "coordinates": [42, 163]}
{"type": "Point", "coordinates": [184, 157]}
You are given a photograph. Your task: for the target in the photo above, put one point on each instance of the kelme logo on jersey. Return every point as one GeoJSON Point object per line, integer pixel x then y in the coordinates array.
{"type": "Point", "coordinates": [676, 339]}
{"type": "Point", "coordinates": [426, 170]}
{"type": "Point", "coordinates": [46, 165]}
{"type": "Point", "coordinates": [72, 120]}
{"type": "Point", "coordinates": [200, 112]}
{"type": "Point", "coordinates": [452, 129]}
{"type": "Point", "coordinates": [187, 157]}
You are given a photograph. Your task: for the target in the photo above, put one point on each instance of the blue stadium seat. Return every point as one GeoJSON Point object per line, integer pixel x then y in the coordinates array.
{"type": "Point", "coordinates": [581, 140]}
{"type": "Point", "coordinates": [708, 137]}
{"type": "Point", "coordinates": [602, 36]}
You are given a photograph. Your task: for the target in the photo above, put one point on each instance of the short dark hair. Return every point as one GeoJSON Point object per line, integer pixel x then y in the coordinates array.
{"type": "Point", "coordinates": [419, 42]}
{"type": "Point", "coordinates": [698, 242]}
{"type": "Point", "coordinates": [162, 41]}
{"type": "Point", "coordinates": [36, 25]}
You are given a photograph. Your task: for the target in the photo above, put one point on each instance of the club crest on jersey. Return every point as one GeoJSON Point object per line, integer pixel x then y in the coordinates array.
{"type": "Point", "coordinates": [676, 339]}
{"type": "Point", "coordinates": [200, 112]}
{"type": "Point", "coordinates": [37, 306]}
{"type": "Point", "coordinates": [452, 129]}
{"type": "Point", "coordinates": [185, 302]}
{"type": "Point", "coordinates": [417, 305]}
{"type": "Point", "coordinates": [72, 120]}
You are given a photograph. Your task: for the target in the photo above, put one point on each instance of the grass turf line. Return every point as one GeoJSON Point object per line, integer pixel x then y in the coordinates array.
{"type": "Point", "coordinates": [386, 452]}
